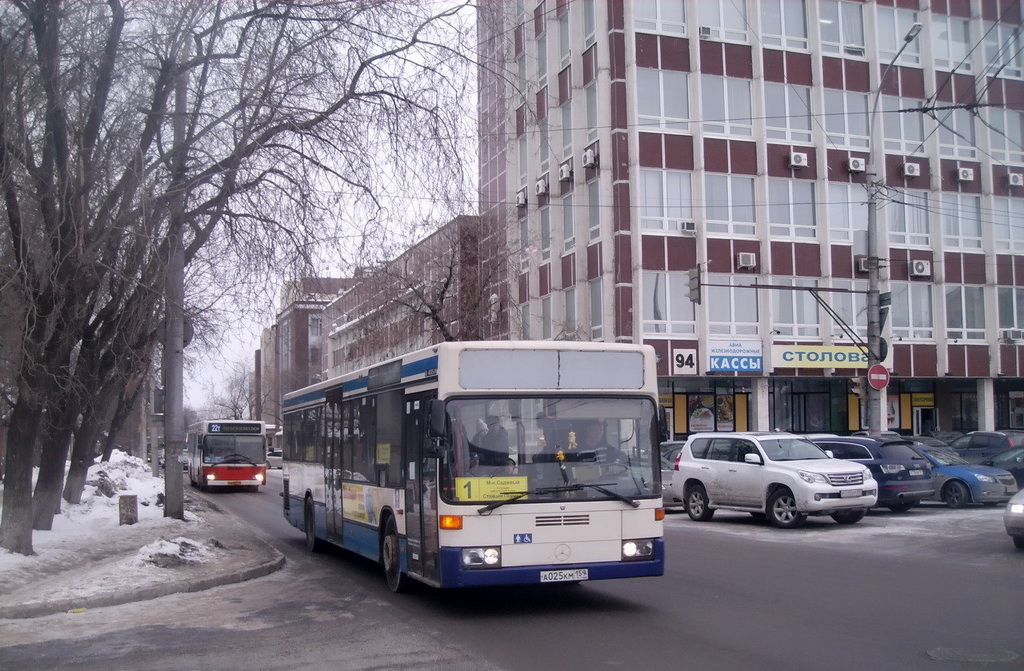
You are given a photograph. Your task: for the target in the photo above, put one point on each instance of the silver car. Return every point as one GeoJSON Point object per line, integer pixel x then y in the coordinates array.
{"type": "Point", "coordinates": [1013, 518]}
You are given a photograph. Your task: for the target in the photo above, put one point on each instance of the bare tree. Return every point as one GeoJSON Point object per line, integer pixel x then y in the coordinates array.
{"type": "Point", "coordinates": [234, 399]}
{"type": "Point", "coordinates": [298, 116]}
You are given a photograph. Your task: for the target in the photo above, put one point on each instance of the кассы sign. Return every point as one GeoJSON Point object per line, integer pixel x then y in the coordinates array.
{"type": "Point", "coordinates": [735, 357]}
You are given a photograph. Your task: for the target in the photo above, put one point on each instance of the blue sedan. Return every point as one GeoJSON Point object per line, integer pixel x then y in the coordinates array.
{"type": "Point", "coordinates": [958, 482]}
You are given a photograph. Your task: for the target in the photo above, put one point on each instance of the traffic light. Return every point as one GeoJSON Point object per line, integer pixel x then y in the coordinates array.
{"type": "Point", "coordinates": [694, 274]}
{"type": "Point", "coordinates": [857, 387]}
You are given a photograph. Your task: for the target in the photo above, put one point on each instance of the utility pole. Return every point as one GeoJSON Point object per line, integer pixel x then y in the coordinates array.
{"type": "Point", "coordinates": [174, 311]}
{"type": "Point", "coordinates": [874, 410]}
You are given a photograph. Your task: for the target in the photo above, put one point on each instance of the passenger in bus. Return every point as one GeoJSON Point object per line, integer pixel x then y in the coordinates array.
{"type": "Point", "coordinates": [509, 468]}
{"type": "Point", "coordinates": [492, 444]}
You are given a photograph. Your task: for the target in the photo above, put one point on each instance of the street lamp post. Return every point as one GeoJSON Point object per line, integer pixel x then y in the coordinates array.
{"type": "Point", "coordinates": [874, 407]}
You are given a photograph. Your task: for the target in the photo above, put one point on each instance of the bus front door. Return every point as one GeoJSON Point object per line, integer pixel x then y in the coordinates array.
{"type": "Point", "coordinates": [333, 472]}
{"type": "Point", "coordinates": [420, 491]}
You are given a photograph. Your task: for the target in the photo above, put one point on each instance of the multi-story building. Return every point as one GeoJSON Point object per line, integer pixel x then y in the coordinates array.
{"type": "Point", "coordinates": [299, 332]}
{"type": "Point", "coordinates": [627, 143]}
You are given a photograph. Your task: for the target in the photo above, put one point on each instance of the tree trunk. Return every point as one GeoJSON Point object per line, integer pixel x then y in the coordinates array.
{"type": "Point", "coordinates": [82, 457]}
{"type": "Point", "coordinates": [16, 522]}
{"type": "Point", "coordinates": [56, 437]}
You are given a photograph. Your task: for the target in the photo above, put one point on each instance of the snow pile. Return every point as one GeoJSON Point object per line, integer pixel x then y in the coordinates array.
{"type": "Point", "coordinates": [176, 552]}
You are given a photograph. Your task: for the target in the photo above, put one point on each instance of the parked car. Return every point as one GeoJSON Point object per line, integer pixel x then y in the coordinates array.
{"type": "Point", "coordinates": [958, 482]}
{"type": "Point", "coordinates": [883, 434]}
{"type": "Point", "coordinates": [275, 457]}
{"type": "Point", "coordinates": [1011, 460]}
{"type": "Point", "coordinates": [904, 477]}
{"type": "Point", "coordinates": [782, 476]}
{"type": "Point", "coordinates": [1013, 519]}
{"type": "Point", "coordinates": [669, 454]}
{"type": "Point", "coordinates": [929, 440]}
{"type": "Point", "coordinates": [977, 446]}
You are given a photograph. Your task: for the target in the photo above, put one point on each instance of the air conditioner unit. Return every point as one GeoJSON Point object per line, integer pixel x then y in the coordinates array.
{"type": "Point", "coordinates": [704, 32]}
{"type": "Point", "coordinates": [862, 264]}
{"type": "Point", "coordinates": [542, 186]}
{"type": "Point", "coordinates": [1015, 179]}
{"type": "Point", "coordinates": [1013, 334]}
{"type": "Point", "coordinates": [589, 158]}
{"type": "Point", "coordinates": [965, 174]}
{"type": "Point", "coordinates": [521, 199]}
{"type": "Point", "coordinates": [565, 172]}
{"type": "Point", "coordinates": [797, 159]}
{"type": "Point", "coordinates": [854, 164]}
{"type": "Point", "coordinates": [746, 260]}
{"type": "Point", "coordinates": [687, 227]}
{"type": "Point", "coordinates": [920, 268]}
{"type": "Point", "coordinates": [911, 169]}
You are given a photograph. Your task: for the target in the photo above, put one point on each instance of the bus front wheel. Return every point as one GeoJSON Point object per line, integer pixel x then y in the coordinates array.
{"type": "Point", "coordinates": [313, 544]}
{"type": "Point", "coordinates": [390, 553]}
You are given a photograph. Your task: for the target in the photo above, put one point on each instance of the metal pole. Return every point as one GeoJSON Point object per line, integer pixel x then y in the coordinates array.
{"type": "Point", "coordinates": [874, 410]}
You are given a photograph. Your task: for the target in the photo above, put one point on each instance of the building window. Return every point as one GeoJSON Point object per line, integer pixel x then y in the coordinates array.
{"type": "Point", "coordinates": [784, 24]}
{"type": "Point", "coordinates": [545, 234]}
{"type": "Point", "coordinates": [1011, 307]}
{"type": "Point", "coordinates": [951, 42]}
{"type": "Point", "coordinates": [665, 199]}
{"type": "Point", "coordinates": [961, 221]}
{"type": "Point", "coordinates": [667, 307]}
{"type": "Point", "coordinates": [795, 313]}
{"type": "Point", "coordinates": [525, 247]}
{"type": "Point", "coordinates": [725, 106]}
{"type": "Point", "coordinates": [911, 311]}
{"type": "Point", "coordinates": [842, 28]}
{"type": "Point", "coordinates": [904, 131]}
{"type": "Point", "coordinates": [542, 59]}
{"type": "Point", "coordinates": [524, 160]}
{"type": "Point", "coordinates": [847, 211]}
{"type": "Point", "coordinates": [524, 314]}
{"type": "Point", "coordinates": [791, 208]}
{"type": "Point", "coordinates": [590, 93]}
{"type": "Point", "coordinates": [316, 328]}
{"type": "Point", "coordinates": [965, 312]}
{"type": "Point", "coordinates": [589, 23]}
{"type": "Point", "coordinates": [568, 225]}
{"type": "Point", "coordinates": [660, 16]}
{"type": "Point", "coordinates": [893, 26]}
{"type": "Point", "coordinates": [846, 118]}
{"type": "Point", "coordinates": [851, 307]}
{"type": "Point", "coordinates": [570, 310]}
{"type": "Point", "coordinates": [725, 21]}
{"type": "Point", "coordinates": [1006, 133]}
{"type": "Point", "coordinates": [732, 306]}
{"type": "Point", "coordinates": [567, 129]}
{"type": "Point", "coordinates": [663, 99]}
{"type": "Point", "coordinates": [908, 219]}
{"type": "Point", "coordinates": [564, 38]}
{"type": "Point", "coordinates": [594, 210]}
{"type": "Point", "coordinates": [729, 201]}
{"type": "Point", "coordinates": [545, 318]}
{"type": "Point", "coordinates": [1008, 224]}
{"type": "Point", "coordinates": [596, 310]}
{"type": "Point", "coordinates": [523, 86]}
{"type": "Point", "coordinates": [544, 135]}
{"type": "Point", "coordinates": [956, 133]}
{"type": "Point", "coordinates": [787, 112]}
{"type": "Point", "coordinates": [1004, 48]}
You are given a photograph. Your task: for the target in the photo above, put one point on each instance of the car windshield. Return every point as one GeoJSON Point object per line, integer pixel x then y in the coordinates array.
{"type": "Point", "coordinates": [791, 449]}
{"type": "Point", "coordinates": [898, 452]}
{"type": "Point", "coordinates": [945, 458]}
{"type": "Point", "coordinates": [1015, 439]}
{"type": "Point", "coordinates": [541, 449]}
{"type": "Point", "coordinates": [233, 449]}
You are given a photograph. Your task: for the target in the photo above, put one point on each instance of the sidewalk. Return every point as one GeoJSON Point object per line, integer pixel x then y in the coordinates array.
{"type": "Point", "coordinates": [122, 564]}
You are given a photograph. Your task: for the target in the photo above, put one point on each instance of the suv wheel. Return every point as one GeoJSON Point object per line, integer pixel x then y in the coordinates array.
{"type": "Point", "coordinates": [782, 511]}
{"type": "Point", "coordinates": [697, 504]}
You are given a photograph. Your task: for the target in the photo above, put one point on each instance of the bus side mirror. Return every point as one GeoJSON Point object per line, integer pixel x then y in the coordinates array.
{"type": "Point", "coordinates": [436, 418]}
{"type": "Point", "coordinates": [663, 432]}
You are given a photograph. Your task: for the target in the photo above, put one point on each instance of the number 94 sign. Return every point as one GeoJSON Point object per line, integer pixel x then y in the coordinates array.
{"type": "Point", "coordinates": [684, 362]}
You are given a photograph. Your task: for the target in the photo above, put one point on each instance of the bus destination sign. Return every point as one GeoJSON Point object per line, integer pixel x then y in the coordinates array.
{"type": "Point", "coordinates": [241, 428]}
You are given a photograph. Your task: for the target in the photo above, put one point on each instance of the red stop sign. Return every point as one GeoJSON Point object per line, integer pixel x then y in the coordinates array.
{"type": "Point", "coordinates": [878, 376]}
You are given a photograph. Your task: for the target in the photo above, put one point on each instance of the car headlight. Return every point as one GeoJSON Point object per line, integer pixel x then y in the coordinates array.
{"type": "Point", "coordinates": [984, 478]}
{"type": "Point", "coordinates": [812, 477]}
{"type": "Point", "coordinates": [481, 557]}
{"type": "Point", "coordinates": [642, 548]}
{"type": "Point", "coordinates": [1016, 508]}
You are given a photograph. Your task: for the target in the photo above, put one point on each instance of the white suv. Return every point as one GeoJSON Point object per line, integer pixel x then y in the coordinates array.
{"type": "Point", "coordinates": [781, 475]}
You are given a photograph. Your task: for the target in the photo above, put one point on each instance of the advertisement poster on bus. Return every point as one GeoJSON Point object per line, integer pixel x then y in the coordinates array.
{"type": "Point", "coordinates": [702, 417]}
{"type": "Point", "coordinates": [359, 503]}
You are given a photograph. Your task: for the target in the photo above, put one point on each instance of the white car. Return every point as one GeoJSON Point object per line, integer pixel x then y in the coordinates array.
{"type": "Point", "coordinates": [780, 475]}
{"type": "Point", "coordinates": [274, 458]}
{"type": "Point", "coordinates": [1013, 519]}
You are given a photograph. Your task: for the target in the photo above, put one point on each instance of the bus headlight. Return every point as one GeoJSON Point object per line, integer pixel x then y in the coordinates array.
{"type": "Point", "coordinates": [641, 548]}
{"type": "Point", "coordinates": [481, 557]}
{"type": "Point", "coordinates": [210, 477]}
{"type": "Point", "coordinates": [259, 477]}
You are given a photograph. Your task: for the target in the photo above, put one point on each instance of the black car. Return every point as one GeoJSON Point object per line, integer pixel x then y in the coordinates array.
{"type": "Point", "coordinates": [904, 477]}
{"type": "Point", "coordinates": [977, 446]}
{"type": "Point", "coordinates": [1010, 460]}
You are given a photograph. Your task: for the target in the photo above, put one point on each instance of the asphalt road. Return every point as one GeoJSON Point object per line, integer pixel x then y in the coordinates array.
{"type": "Point", "coordinates": [929, 589]}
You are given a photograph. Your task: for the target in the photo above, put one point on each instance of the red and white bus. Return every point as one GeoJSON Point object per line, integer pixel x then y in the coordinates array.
{"type": "Point", "coordinates": [227, 453]}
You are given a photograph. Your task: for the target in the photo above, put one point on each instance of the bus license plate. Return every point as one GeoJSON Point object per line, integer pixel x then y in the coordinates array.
{"type": "Point", "coordinates": [850, 493]}
{"type": "Point", "coordinates": [234, 482]}
{"type": "Point", "coordinates": [564, 576]}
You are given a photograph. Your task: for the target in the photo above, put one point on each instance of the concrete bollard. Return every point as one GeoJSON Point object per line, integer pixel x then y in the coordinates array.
{"type": "Point", "coordinates": [128, 509]}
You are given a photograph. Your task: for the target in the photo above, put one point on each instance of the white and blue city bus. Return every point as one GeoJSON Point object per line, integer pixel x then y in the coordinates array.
{"type": "Point", "coordinates": [394, 462]}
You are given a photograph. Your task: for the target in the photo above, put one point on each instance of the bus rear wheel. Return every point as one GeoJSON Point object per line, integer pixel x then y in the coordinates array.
{"type": "Point", "coordinates": [391, 559]}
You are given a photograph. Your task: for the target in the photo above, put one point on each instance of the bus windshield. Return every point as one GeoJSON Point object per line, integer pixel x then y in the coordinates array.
{"type": "Point", "coordinates": [542, 449]}
{"type": "Point", "coordinates": [233, 450]}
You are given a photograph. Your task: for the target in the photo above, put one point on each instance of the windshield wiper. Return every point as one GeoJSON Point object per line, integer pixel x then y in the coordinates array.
{"type": "Point", "coordinates": [603, 488]}
{"type": "Point", "coordinates": [497, 504]}
{"type": "Point", "coordinates": [238, 458]}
